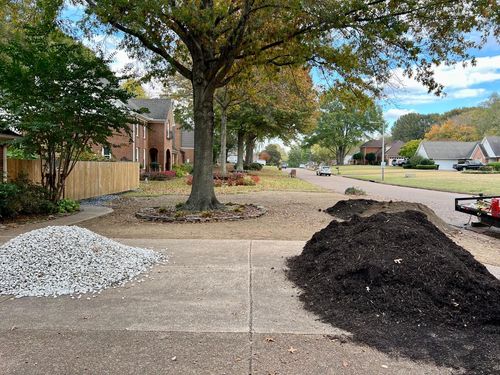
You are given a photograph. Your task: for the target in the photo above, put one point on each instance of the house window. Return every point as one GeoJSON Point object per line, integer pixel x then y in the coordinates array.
{"type": "Point", "coordinates": [144, 157]}
{"type": "Point", "coordinates": [106, 152]}
{"type": "Point", "coordinates": [144, 131]}
{"type": "Point", "coordinates": [136, 130]}
{"type": "Point", "coordinates": [136, 154]}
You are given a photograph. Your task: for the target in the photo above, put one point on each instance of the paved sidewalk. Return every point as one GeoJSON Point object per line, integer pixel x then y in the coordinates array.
{"type": "Point", "coordinates": [216, 307]}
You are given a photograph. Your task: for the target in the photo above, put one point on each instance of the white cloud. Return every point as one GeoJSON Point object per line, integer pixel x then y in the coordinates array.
{"type": "Point", "coordinates": [394, 113]}
{"type": "Point", "coordinates": [458, 81]}
{"type": "Point", "coordinates": [467, 93]}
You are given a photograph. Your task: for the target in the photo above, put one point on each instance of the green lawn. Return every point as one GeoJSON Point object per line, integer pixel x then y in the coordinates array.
{"type": "Point", "coordinates": [435, 180]}
{"type": "Point", "coordinates": [270, 180]}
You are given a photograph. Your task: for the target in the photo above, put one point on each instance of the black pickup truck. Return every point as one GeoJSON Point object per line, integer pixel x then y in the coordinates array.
{"type": "Point", "coordinates": [468, 164]}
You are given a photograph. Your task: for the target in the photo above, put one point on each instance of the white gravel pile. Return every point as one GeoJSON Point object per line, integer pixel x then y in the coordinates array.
{"type": "Point", "coordinates": [68, 260]}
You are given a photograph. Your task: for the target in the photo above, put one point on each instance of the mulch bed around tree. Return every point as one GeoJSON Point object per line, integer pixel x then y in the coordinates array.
{"type": "Point", "coordinates": [230, 212]}
{"type": "Point", "coordinates": [400, 284]}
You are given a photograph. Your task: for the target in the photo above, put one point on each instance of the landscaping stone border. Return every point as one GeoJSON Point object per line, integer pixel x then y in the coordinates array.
{"type": "Point", "coordinates": [172, 215]}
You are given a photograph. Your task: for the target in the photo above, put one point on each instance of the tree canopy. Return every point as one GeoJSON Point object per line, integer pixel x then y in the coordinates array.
{"type": "Point", "coordinates": [413, 126]}
{"type": "Point", "coordinates": [450, 130]}
{"type": "Point", "coordinates": [61, 97]}
{"type": "Point", "coordinates": [346, 118]}
{"type": "Point", "coordinates": [361, 42]}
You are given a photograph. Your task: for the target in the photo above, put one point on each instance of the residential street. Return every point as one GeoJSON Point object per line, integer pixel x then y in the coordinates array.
{"type": "Point", "coordinates": [441, 202]}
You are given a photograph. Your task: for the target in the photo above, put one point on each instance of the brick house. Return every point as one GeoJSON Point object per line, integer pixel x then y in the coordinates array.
{"type": "Point", "coordinates": [374, 146]}
{"type": "Point", "coordinates": [491, 146]}
{"type": "Point", "coordinates": [5, 137]}
{"type": "Point", "coordinates": [155, 141]}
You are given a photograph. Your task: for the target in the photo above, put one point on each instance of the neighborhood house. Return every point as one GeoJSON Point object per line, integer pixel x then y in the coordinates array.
{"type": "Point", "coordinates": [374, 146]}
{"type": "Point", "coordinates": [447, 153]}
{"type": "Point", "coordinates": [156, 142]}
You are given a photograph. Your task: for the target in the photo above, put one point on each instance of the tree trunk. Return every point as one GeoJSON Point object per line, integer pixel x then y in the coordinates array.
{"type": "Point", "coordinates": [202, 197]}
{"type": "Point", "coordinates": [340, 155]}
{"type": "Point", "coordinates": [241, 150]}
{"type": "Point", "coordinates": [223, 133]}
{"type": "Point", "coordinates": [250, 144]}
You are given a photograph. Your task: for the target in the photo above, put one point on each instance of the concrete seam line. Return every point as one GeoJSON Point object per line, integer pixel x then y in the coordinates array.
{"type": "Point", "coordinates": [250, 309]}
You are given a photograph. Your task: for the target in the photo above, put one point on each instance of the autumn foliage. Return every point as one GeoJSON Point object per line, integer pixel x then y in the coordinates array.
{"type": "Point", "coordinates": [449, 130]}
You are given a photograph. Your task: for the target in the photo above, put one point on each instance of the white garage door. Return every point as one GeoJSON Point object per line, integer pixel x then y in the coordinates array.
{"type": "Point", "coordinates": [446, 164]}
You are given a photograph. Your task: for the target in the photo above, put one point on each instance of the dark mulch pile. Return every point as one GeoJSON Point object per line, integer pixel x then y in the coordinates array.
{"type": "Point", "coordinates": [401, 285]}
{"type": "Point", "coordinates": [347, 208]}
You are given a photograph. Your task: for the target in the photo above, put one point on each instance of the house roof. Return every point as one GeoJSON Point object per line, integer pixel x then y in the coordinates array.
{"type": "Point", "coordinates": [372, 143]}
{"type": "Point", "coordinates": [8, 134]}
{"type": "Point", "coordinates": [393, 151]}
{"type": "Point", "coordinates": [448, 150]}
{"type": "Point", "coordinates": [494, 142]}
{"type": "Point", "coordinates": [158, 109]}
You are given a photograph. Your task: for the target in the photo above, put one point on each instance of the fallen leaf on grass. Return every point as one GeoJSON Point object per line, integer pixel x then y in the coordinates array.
{"type": "Point", "coordinates": [269, 339]}
{"type": "Point", "coordinates": [345, 363]}
{"type": "Point", "coordinates": [292, 350]}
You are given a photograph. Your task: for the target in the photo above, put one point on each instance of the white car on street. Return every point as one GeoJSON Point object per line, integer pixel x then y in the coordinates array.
{"type": "Point", "coordinates": [324, 171]}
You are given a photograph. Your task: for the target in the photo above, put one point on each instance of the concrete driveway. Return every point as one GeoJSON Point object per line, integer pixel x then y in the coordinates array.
{"type": "Point", "coordinates": [442, 203]}
{"type": "Point", "coordinates": [216, 307]}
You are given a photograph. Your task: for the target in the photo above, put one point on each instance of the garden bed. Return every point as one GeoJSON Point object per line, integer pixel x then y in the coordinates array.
{"type": "Point", "coordinates": [229, 212]}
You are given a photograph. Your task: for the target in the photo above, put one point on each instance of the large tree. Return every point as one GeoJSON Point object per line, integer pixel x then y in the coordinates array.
{"type": "Point", "coordinates": [346, 118]}
{"type": "Point", "coordinates": [413, 126]}
{"type": "Point", "coordinates": [61, 97]}
{"type": "Point", "coordinates": [361, 41]}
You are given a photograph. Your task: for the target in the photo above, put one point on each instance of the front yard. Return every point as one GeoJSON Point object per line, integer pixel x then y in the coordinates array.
{"type": "Point", "coordinates": [451, 181]}
{"type": "Point", "coordinates": [271, 179]}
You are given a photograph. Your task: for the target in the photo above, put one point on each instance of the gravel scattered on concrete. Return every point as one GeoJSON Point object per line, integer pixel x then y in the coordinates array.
{"type": "Point", "coordinates": [102, 200]}
{"type": "Point", "coordinates": [59, 260]}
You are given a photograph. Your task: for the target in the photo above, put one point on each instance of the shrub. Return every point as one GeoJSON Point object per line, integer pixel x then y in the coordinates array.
{"type": "Point", "coordinates": [370, 157]}
{"type": "Point", "coordinates": [189, 180]}
{"type": "Point", "coordinates": [255, 179]}
{"type": "Point", "coordinates": [427, 162]}
{"type": "Point", "coordinates": [415, 160]}
{"type": "Point", "coordinates": [67, 206]}
{"type": "Point", "coordinates": [22, 197]}
{"type": "Point", "coordinates": [354, 191]}
{"type": "Point", "coordinates": [253, 167]}
{"type": "Point", "coordinates": [158, 176]}
{"type": "Point", "coordinates": [495, 165]}
{"type": "Point", "coordinates": [486, 168]}
{"type": "Point", "coordinates": [426, 166]}
{"type": "Point", "coordinates": [182, 170]}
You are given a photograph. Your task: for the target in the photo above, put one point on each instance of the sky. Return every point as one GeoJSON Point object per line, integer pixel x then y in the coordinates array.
{"type": "Point", "coordinates": [464, 86]}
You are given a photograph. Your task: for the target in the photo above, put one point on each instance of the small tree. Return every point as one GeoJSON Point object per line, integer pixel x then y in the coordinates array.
{"type": "Point", "coordinates": [409, 148]}
{"type": "Point", "coordinates": [358, 156]}
{"type": "Point", "coordinates": [370, 158]}
{"type": "Point", "coordinates": [61, 97]}
{"type": "Point", "coordinates": [274, 153]}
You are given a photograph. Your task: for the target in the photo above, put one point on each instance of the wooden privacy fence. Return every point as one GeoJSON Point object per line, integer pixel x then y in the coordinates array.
{"type": "Point", "coordinates": [88, 179]}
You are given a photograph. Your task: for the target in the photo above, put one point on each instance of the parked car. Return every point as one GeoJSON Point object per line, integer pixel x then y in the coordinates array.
{"type": "Point", "coordinates": [399, 162]}
{"type": "Point", "coordinates": [284, 165]}
{"type": "Point", "coordinates": [302, 166]}
{"type": "Point", "coordinates": [468, 164]}
{"type": "Point", "coordinates": [324, 171]}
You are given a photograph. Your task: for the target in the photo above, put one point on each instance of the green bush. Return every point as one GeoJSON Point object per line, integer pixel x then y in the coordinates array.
{"type": "Point", "coordinates": [68, 206]}
{"type": "Point", "coordinates": [487, 168]}
{"type": "Point", "coordinates": [495, 165]}
{"type": "Point", "coordinates": [426, 166]}
{"type": "Point", "coordinates": [416, 160]}
{"type": "Point", "coordinates": [427, 162]}
{"type": "Point", "coordinates": [253, 167]}
{"type": "Point", "coordinates": [23, 197]}
{"type": "Point", "coordinates": [182, 170]}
